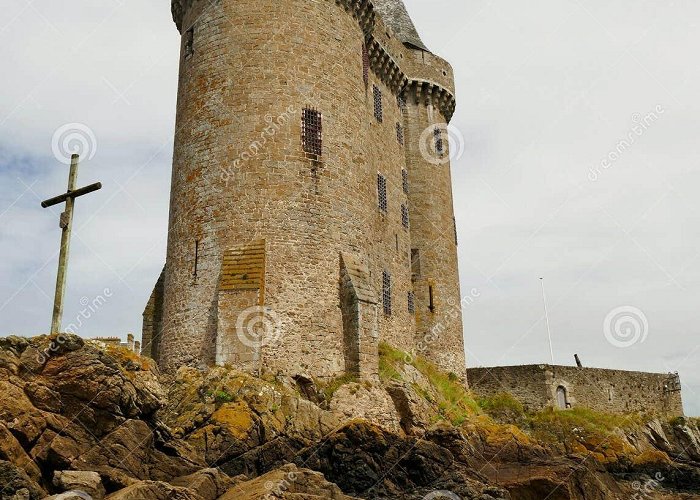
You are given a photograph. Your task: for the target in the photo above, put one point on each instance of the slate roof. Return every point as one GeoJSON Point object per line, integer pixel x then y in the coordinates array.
{"type": "Point", "coordinates": [395, 15]}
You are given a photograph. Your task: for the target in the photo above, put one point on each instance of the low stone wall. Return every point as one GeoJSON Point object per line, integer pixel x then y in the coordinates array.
{"type": "Point", "coordinates": [609, 391]}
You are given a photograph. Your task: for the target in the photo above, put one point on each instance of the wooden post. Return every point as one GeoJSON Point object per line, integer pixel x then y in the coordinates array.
{"type": "Point", "coordinates": [66, 225]}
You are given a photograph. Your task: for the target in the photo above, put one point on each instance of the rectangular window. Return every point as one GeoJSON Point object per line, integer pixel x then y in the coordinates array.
{"type": "Point", "coordinates": [404, 216]}
{"type": "Point", "coordinates": [312, 132]}
{"type": "Point", "coordinates": [378, 106]}
{"type": "Point", "coordinates": [386, 292]}
{"type": "Point", "coordinates": [381, 193]}
{"type": "Point", "coordinates": [431, 297]}
{"type": "Point", "coordinates": [411, 303]}
{"type": "Point", "coordinates": [454, 224]}
{"type": "Point", "coordinates": [189, 42]}
{"type": "Point", "coordinates": [365, 65]}
{"type": "Point", "coordinates": [415, 262]}
{"type": "Point", "coordinates": [439, 143]}
{"type": "Point", "coordinates": [404, 180]}
{"type": "Point", "coordinates": [399, 133]}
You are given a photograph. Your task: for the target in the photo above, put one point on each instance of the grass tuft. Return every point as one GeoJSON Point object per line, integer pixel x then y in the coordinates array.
{"type": "Point", "coordinates": [455, 404]}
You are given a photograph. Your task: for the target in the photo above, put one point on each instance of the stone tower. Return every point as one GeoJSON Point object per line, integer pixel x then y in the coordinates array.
{"type": "Point", "coordinates": [311, 213]}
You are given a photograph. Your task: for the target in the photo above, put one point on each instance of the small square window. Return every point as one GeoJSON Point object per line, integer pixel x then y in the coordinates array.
{"type": "Point", "coordinates": [404, 216]}
{"type": "Point", "coordinates": [411, 303]}
{"type": "Point", "coordinates": [404, 180]}
{"type": "Point", "coordinates": [378, 105]}
{"type": "Point", "coordinates": [399, 133]}
{"type": "Point", "coordinates": [189, 42]}
{"type": "Point", "coordinates": [386, 292]}
{"type": "Point", "coordinates": [312, 132]}
{"type": "Point", "coordinates": [381, 193]}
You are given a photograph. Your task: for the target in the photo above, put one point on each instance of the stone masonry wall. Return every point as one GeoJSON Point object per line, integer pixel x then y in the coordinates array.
{"type": "Point", "coordinates": [239, 174]}
{"type": "Point", "coordinates": [608, 391]}
{"type": "Point", "coordinates": [153, 320]}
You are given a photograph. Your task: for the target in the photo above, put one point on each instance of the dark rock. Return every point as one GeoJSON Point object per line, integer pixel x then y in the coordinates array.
{"type": "Point", "coordinates": [15, 483]}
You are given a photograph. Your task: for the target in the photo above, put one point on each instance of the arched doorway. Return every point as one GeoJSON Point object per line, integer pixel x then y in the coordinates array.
{"type": "Point", "coordinates": [562, 400]}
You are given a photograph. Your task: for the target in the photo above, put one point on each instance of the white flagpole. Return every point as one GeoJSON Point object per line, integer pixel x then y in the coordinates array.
{"type": "Point", "coordinates": [546, 316]}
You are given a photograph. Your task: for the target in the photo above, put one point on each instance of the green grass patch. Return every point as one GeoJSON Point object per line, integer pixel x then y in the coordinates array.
{"type": "Point", "coordinates": [504, 408]}
{"type": "Point", "coordinates": [454, 402]}
{"type": "Point", "coordinates": [328, 389]}
{"type": "Point", "coordinates": [222, 397]}
{"type": "Point", "coordinates": [565, 424]}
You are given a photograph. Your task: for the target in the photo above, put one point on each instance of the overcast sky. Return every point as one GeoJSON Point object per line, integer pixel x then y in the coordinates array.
{"type": "Point", "coordinates": [547, 91]}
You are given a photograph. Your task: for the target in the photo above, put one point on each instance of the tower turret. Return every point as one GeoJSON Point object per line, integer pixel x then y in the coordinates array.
{"type": "Point", "coordinates": [289, 236]}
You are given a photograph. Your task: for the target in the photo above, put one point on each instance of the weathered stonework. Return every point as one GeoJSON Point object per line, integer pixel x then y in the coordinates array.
{"type": "Point", "coordinates": [607, 391]}
{"type": "Point", "coordinates": [241, 175]}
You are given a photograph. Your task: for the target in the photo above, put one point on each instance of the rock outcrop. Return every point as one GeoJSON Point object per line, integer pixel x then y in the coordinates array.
{"type": "Point", "coordinates": [81, 421]}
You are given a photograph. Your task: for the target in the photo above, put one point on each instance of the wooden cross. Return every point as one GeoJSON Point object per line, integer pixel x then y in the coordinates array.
{"type": "Point", "coordinates": [66, 224]}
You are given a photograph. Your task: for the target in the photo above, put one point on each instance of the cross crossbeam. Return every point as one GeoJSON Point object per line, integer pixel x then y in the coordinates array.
{"type": "Point", "coordinates": [66, 225]}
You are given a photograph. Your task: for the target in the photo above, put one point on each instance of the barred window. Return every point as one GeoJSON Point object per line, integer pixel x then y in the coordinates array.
{"type": "Point", "coordinates": [454, 224]}
{"type": "Point", "coordinates": [311, 132]}
{"type": "Point", "coordinates": [381, 193]}
{"type": "Point", "coordinates": [399, 133]}
{"type": "Point", "coordinates": [386, 292]}
{"type": "Point", "coordinates": [365, 64]}
{"type": "Point", "coordinates": [378, 106]}
{"type": "Point", "coordinates": [404, 180]}
{"type": "Point", "coordinates": [411, 303]}
{"type": "Point", "coordinates": [439, 143]}
{"type": "Point", "coordinates": [404, 216]}
{"type": "Point", "coordinates": [189, 42]}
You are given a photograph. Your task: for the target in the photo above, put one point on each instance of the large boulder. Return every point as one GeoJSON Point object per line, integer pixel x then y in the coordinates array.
{"type": "Point", "coordinates": [154, 490]}
{"type": "Point", "coordinates": [210, 484]}
{"type": "Point", "coordinates": [80, 481]}
{"type": "Point", "coordinates": [366, 401]}
{"type": "Point", "coordinates": [287, 482]}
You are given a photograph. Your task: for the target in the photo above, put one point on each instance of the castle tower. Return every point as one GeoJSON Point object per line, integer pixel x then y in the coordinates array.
{"type": "Point", "coordinates": [298, 196]}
